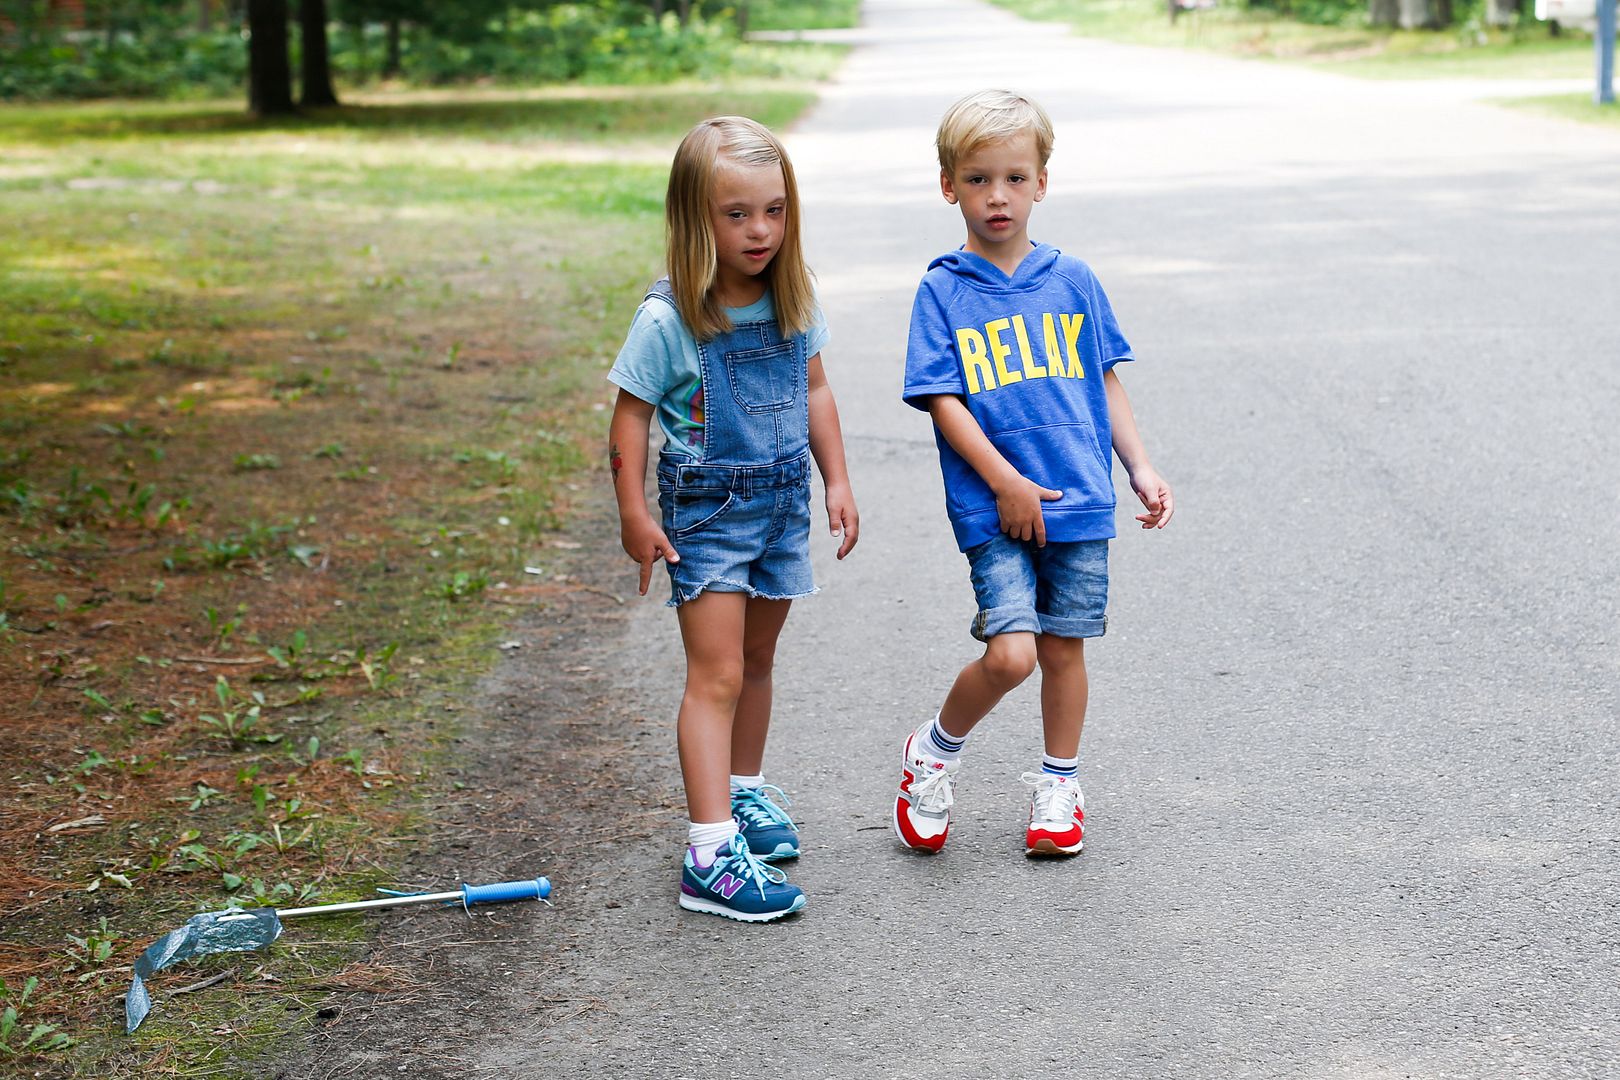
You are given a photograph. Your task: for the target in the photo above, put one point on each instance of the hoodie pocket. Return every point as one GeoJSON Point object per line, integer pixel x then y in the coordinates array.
{"type": "Point", "coordinates": [1064, 457]}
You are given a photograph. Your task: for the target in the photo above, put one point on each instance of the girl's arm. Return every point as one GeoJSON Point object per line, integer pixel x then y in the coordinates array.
{"type": "Point", "coordinates": [1018, 498]}
{"type": "Point", "coordinates": [1149, 486]}
{"type": "Point", "coordinates": [827, 446]}
{"type": "Point", "coordinates": [627, 455]}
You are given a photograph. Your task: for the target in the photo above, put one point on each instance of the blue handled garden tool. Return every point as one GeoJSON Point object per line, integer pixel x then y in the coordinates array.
{"type": "Point", "coordinates": [243, 930]}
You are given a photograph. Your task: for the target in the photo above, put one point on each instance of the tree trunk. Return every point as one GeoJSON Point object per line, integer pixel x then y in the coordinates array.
{"type": "Point", "coordinates": [1501, 12]}
{"type": "Point", "coordinates": [684, 9]}
{"type": "Point", "coordinates": [316, 59]}
{"type": "Point", "coordinates": [391, 57]}
{"type": "Point", "coordinates": [658, 9]}
{"type": "Point", "coordinates": [1384, 12]}
{"type": "Point", "coordinates": [1419, 15]}
{"type": "Point", "coordinates": [269, 73]}
{"type": "Point", "coordinates": [205, 15]}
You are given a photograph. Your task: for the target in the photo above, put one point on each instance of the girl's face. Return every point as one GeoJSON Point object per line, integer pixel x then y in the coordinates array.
{"type": "Point", "coordinates": [749, 215]}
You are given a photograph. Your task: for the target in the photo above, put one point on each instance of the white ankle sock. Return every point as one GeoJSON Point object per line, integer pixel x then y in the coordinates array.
{"type": "Point", "coordinates": [738, 783]}
{"type": "Point", "coordinates": [706, 839]}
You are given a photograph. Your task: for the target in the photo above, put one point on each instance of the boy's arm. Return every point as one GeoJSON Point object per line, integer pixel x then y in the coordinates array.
{"type": "Point", "coordinates": [643, 540]}
{"type": "Point", "coordinates": [1018, 499]}
{"type": "Point", "coordinates": [1149, 486]}
{"type": "Point", "coordinates": [827, 446]}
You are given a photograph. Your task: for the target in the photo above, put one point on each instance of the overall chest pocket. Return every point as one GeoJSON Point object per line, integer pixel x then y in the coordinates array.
{"type": "Point", "coordinates": [764, 380]}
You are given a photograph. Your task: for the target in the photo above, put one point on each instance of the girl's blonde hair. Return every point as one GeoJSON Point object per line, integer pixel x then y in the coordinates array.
{"type": "Point", "coordinates": [990, 116]}
{"type": "Point", "coordinates": [689, 234]}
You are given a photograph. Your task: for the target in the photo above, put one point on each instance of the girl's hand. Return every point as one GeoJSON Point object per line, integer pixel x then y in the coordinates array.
{"type": "Point", "coordinates": [1155, 494]}
{"type": "Point", "coordinates": [842, 517]}
{"type": "Point", "coordinates": [1019, 506]}
{"type": "Point", "coordinates": [646, 543]}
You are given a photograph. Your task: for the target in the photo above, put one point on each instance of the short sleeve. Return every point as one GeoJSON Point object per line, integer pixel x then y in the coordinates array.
{"type": "Point", "coordinates": [931, 363]}
{"type": "Point", "coordinates": [1112, 348]}
{"type": "Point", "coordinates": [648, 364]}
{"type": "Point", "coordinates": [818, 335]}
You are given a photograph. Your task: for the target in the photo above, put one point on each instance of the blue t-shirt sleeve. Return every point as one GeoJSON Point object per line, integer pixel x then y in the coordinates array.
{"type": "Point", "coordinates": [818, 335]}
{"type": "Point", "coordinates": [1112, 348]}
{"type": "Point", "coordinates": [648, 362]}
{"type": "Point", "coordinates": [931, 364]}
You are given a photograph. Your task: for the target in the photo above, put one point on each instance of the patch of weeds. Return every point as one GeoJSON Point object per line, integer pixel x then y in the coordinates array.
{"type": "Point", "coordinates": [291, 656]}
{"type": "Point", "coordinates": [329, 450]}
{"type": "Point", "coordinates": [461, 585]}
{"type": "Point", "coordinates": [288, 388]}
{"type": "Point", "coordinates": [252, 542]}
{"type": "Point", "coordinates": [17, 1037]}
{"type": "Point", "coordinates": [499, 466]}
{"type": "Point", "coordinates": [255, 462]}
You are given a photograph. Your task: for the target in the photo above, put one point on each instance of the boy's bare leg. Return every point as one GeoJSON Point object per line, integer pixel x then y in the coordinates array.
{"type": "Point", "coordinates": [1008, 660]}
{"type": "Point", "coordinates": [761, 628]}
{"type": "Point", "coordinates": [712, 632]}
{"type": "Point", "coordinates": [1064, 690]}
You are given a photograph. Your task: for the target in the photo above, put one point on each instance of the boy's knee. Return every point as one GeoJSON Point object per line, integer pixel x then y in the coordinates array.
{"type": "Point", "coordinates": [1009, 659]}
{"type": "Point", "coordinates": [1059, 651]}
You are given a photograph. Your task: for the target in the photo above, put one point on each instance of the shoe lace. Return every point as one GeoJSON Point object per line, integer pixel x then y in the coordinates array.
{"type": "Point", "coordinates": [1052, 801]}
{"type": "Point", "coordinates": [744, 864]}
{"type": "Point", "coordinates": [934, 791]}
{"type": "Point", "coordinates": [756, 807]}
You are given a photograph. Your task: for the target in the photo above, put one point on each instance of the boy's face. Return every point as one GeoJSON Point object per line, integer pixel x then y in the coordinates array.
{"type": "Point", "coordinates": [748, 213]}
{"type": "Point", "coordinates": [997, 185]}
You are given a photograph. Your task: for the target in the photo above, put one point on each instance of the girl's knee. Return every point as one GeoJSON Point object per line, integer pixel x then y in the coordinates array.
{"type": "Point", "coordinates": [718, 684]}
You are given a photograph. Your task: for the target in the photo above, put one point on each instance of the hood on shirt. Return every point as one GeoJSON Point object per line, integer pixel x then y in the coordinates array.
{"type": "Point", "coordinates": [981, 273]}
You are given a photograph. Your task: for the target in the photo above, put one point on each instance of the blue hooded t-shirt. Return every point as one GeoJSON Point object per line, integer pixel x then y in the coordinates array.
{"type": "Point", "coordinates": [1026, 354]}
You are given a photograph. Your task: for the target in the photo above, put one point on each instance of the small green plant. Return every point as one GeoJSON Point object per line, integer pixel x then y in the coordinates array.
{"type": "Point", "coordinates": [14, 1039]}
{"type": "Point", "coordinates": [238, 719]}
{"type": "Point", "coordinates": [222, 628]}
{"type": "Point", "coordinates": [291, 655]}
{"type": "Point", "coordinates": [88, 953]}
{"type": "Point", "coordinates": [375, 669]}
{"type": "Point", "coordinates": [255, 462]}
{"type": "Point", "coordinates": [330, 450]}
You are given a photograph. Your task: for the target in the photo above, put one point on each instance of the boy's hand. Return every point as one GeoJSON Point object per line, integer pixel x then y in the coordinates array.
{"type": "Point", "coordinates": [1155, 495]}
{"type": "Point", "coordinates": [646, 543]}
{"type": "Point", "coordinates": [842, 517]}
{"type": "Point", "coordinates": [1019, 505]}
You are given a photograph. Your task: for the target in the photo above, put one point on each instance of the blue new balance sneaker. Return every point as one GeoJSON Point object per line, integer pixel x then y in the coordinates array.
{"type": "Point", "coordinates": [737, 886]}
{"type": "Point", "coordinates": [770, 833]}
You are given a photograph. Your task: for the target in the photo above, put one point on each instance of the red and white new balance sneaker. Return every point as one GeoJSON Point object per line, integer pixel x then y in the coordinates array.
{"type": "Point", "coordinates": [1057, 813]}
{"type": "Point", "coordinates": [922, 811]}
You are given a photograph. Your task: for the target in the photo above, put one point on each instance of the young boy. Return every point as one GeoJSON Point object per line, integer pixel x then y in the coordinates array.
{"type": "Point", "coordinates": [1012, 353]}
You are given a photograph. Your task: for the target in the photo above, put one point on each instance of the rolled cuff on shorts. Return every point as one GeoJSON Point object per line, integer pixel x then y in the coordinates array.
{"type": "Point", "coordinates": [992, 622]}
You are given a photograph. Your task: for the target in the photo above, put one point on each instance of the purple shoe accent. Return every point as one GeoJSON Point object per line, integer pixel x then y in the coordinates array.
{"type": "Point", "coordinates": [688, 890]}
{"type": "Point", "coordinates": [692, 852]}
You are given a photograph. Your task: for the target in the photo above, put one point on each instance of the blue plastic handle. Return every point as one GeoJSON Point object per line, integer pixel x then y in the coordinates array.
{"type": "Point", "coordinates": [502, 891]}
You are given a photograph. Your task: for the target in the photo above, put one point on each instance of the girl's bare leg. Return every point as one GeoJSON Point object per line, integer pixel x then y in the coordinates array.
{"type": "Point", "coordinates": [712, 632]}
{"type": "Point", "coordinates": [1064, 690]}
{"type": "Point", "coordinates": [1007, 661]}
{"type": "Point", "coordinates": [762, 627]}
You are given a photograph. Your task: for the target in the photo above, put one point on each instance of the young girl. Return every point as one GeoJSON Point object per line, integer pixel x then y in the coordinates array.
{"type": "Point", "coordinates": [726, 352]}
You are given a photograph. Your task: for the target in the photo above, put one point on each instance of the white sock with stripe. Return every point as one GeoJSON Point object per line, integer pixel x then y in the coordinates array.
{"type": "Point", "coordinates": [1066, 767]}
{"type": "Point", "coordinates": [941, 743]}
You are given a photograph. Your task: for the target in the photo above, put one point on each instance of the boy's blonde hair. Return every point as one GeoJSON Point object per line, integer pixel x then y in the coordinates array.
{"type": "Point", "coordinates": [689, 234]}
{"type": "Point", "coordinates": [990, 116]}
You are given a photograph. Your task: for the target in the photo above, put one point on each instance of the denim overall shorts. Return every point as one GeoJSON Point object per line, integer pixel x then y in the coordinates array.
{"type": "Point", "coordinates": [739, 517]}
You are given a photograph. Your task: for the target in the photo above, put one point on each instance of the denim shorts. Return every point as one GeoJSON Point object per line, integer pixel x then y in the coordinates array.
{"type": "Point", "coordinates": [737, 529]}
{"type": "Point", "coordinates": [1059, 589]}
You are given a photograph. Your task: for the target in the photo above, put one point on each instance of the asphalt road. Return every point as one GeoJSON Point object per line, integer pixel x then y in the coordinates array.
{"type": "Point", "coordinates": [1351, 766]}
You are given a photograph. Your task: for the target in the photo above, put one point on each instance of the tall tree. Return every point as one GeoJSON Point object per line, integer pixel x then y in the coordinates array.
{"type": "Point", "coordinates": [269, 73]}
{"type": "Point", "coordinates": [315, 57]}
{"type": "Point", "coordinates": [1384, 12]}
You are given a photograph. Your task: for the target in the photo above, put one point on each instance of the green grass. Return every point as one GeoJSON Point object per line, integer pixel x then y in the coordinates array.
{"type": "Point", "coordinates": [797, 15]}
{"type": "Point", "coordinates": [408, 304]}
{"type": "Point", "coordinates": [1571, 107]}
{"type": "Point", "coordinates": [1351, 49]}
